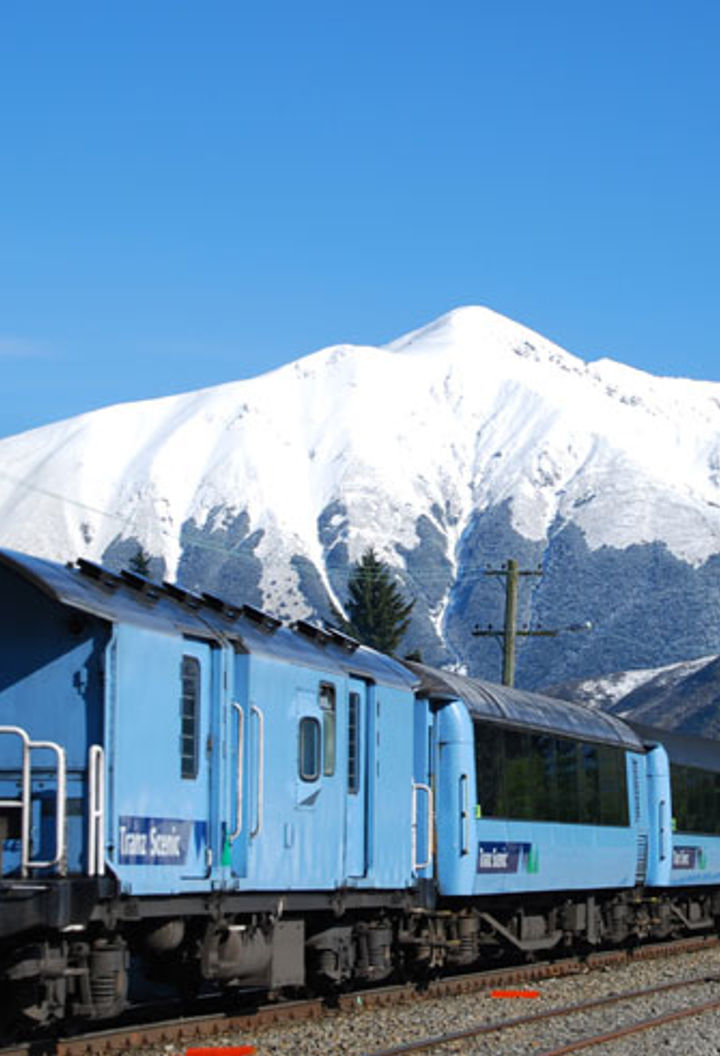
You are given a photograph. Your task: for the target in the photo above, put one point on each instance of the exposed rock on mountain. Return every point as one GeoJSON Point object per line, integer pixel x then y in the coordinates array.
{"type": "Point", "coordinates": [453, 448]}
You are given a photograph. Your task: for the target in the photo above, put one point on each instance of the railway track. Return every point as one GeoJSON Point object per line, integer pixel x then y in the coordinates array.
{"type": "Point", "coordinates": [176, 1035]}
{"type": "Point", "coordinates": [438, 1041]}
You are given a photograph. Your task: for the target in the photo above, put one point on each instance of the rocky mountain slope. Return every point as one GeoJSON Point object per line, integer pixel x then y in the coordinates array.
{"type": "Point", "coordinates": [453, 448]}
{"type": "Point", "coordinates": [684, 696]}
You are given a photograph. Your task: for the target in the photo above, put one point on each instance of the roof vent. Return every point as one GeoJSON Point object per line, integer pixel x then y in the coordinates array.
{"type": "Point", "coordinates": [144, 586]}
{"type": "Point", "coordinates": [263, 619]}
{"type": "Point", "coordinates": [312, 630]}
{"type": "Point", "coordinates": [185, 597]}
{"type": "Point", "coordinates": [98, 573]}
{"type": "Point", "coordinates": [230, 612]}
{"type": "Point", "coordinates": [345, 641]}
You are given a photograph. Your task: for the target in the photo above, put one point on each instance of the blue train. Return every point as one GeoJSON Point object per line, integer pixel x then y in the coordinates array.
{"type": "Point", "coordinates": [224, 799]}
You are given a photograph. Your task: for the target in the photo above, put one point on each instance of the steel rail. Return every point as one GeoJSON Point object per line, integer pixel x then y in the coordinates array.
{"type": "Point", "coordinates": [634, 1028]}
{"type": "Point", "coordinates": [552, 1013]}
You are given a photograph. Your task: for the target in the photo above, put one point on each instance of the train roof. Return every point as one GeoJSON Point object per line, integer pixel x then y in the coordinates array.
{"type": "Point", "coordinates": [519, 708]}
{"type": "Point", "coordinates": [127, 598]}
{"type": "Point", "coordinates": [682, 748]}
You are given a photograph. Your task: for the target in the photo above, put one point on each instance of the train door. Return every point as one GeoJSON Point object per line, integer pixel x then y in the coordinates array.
{"type": "Point", "coordinates": [359, 751]}
{"type": "Point", "coordinates": [161, 699]}
{"type": "Point", "coordinates": [423, 815]}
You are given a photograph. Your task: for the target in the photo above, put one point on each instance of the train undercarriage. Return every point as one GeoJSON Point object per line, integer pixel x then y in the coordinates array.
{"type": "Point", "coordinates": [83, 969]}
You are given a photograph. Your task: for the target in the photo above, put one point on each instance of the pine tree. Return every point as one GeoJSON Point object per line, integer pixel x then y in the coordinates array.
{"type": "Point", "coordinates": [140, 562]}
{"type": "Point", "coordinates": [378, 615]}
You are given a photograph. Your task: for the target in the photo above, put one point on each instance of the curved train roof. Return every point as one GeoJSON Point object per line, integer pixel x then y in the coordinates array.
{"type": "Point", "coordinates": [517, 707]}
{"type": "Point", "coordinates": [129, 598]}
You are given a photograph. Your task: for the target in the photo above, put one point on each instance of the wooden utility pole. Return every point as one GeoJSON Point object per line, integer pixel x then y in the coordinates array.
{"type": "Point", "coordinates": [507, 636]}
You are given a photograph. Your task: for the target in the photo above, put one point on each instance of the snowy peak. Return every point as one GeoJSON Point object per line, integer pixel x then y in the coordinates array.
{"type": "Point", "coordinates": [463, 442]}
{"type": "Point", "coordinates": [484, 336]}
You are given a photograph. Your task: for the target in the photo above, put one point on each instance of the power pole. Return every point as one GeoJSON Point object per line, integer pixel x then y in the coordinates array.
{"type": "Point", "coordinates": [507, 636]}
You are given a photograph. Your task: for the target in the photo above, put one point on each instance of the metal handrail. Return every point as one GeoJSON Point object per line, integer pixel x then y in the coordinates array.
{"type": "Point", "coordinates": [419, 787]}
{"type": "Point", "coordinates": [96, 811]}
{"type": "Point", "coordinates": [662, 840]}
{"type": "Point", "coordinates": [240, 773]}
{"type": "Point", "coordinates": [60, 857]}
{"type": "Point", "coordinates": [261, 767]}
{"type": "Point", "coordinates": [464, 815]}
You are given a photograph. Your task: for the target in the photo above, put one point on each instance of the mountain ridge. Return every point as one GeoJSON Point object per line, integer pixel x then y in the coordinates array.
{"type": "Point", "coordinates": [459, 444]}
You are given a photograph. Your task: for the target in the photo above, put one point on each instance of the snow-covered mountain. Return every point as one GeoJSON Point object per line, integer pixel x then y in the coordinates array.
{"type": "Point", "coordinates": [459, 445]}
{"type": "Point", "coordinates": [683, 696]}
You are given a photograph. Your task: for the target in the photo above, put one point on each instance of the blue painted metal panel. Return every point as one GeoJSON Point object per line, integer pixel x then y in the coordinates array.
{"type": "Point", "coordinates": [424, 778]}
{"type": "Point", "coordinates": [390, 798]}
{"type": "Point", "coordinates": [158, 821]}
{"type": "Point", "coordinates": [51, 673]}
{"type": "Point", "coordinates": [50, 686]}
{"type": "Point", "coordinates": [694, 860]}
{"type": "Point", "coordinates": [659, 817]}
{"type": "Point", "coordinates": [294, 830]}
{"type": "Point", "coordinates": [295, 827]}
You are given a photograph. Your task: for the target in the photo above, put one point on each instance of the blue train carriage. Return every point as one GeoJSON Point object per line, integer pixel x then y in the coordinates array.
{"type": "Point", "coordinates": [156, 747]}
{"type": "Point", "coordinates": [684, 776]}
{"type": "Point", "coordinates": [542, 817]}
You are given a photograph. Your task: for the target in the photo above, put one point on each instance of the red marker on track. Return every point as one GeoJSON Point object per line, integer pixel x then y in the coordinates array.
{"type": "Point", "coordinates": [223, 1050]}
{"type": "Point", "coordinates": [515, 993]}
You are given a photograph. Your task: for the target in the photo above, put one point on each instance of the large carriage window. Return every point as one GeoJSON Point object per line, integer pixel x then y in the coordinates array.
{"type": "Point", "coordinates": [695, 799]}
{"type": "Point", "coordinates": [327, 703]}
{"type": "Point", "coordinates": [540, 777]}
{"type": "Point", "coordinates": [309, 749]}
{"type": "Point", "coordinates": [189, 716]}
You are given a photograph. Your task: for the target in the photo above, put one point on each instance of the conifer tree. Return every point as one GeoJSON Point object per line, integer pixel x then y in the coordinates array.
{"type": "Point", "coordinates": [140, 562]}
{"type": "Point", "coordinates": [378, 615]}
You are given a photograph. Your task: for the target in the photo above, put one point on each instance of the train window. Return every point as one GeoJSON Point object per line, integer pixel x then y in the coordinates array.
{"type": "Point", "coordinates": [544, 761]}
{"type": "Point", "coordinates": [189, 716]}
{"type": "Point", "coordinates": [353, 772]}
{"type": "Point", "coordinates": [695, 799]}
{"type": "Point", "coordinates": [543, 778]}
{"type": "Point", "coordinates": [327, 703]}
{"type": "Point", "coordinates": [518, 775]}
{"type": "Point", "coordinates": [589, 785]}
{"type": "Point", "coordinates": [489, 770]}
{"type": "Point", "coordinates": [568, 801]}
{"type": "Point", "coordinates": [309, 749]}
{"type": "Point", "coordinates": [613, 786]}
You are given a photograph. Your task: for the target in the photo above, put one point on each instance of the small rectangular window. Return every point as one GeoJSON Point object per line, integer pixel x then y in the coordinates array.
{"type": "Point", "coordinates": [309, 749]}
{"type": "Point", "coordinates": [189, 717]}
{"type": "Point", "coordinates": [354, 743]}
{"type": "Point", "coordinates": [327, 703]}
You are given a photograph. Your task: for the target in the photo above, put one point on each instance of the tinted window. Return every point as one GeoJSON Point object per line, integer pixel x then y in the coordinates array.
{"type": "Point", "coordinates": [695, 799]}
{"type": "Point", "coordinates": [189, 716]}
{"type": "Point", "coordinates": [518, 773]}
{"type": "Point", "coordinates": [568, 805]}
{"type": "Point", "coordinates": [545, 778]}
{"type": "Point", "coordinates": [327, 703]}
{"type": "Point", "coordinates": [489, 770]}
{"type": "Point", "coordinates": [309, 749]}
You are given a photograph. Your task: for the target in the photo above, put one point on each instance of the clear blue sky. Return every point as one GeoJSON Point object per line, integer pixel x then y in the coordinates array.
{"type": "Point", "coordinates": [194, 192]}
